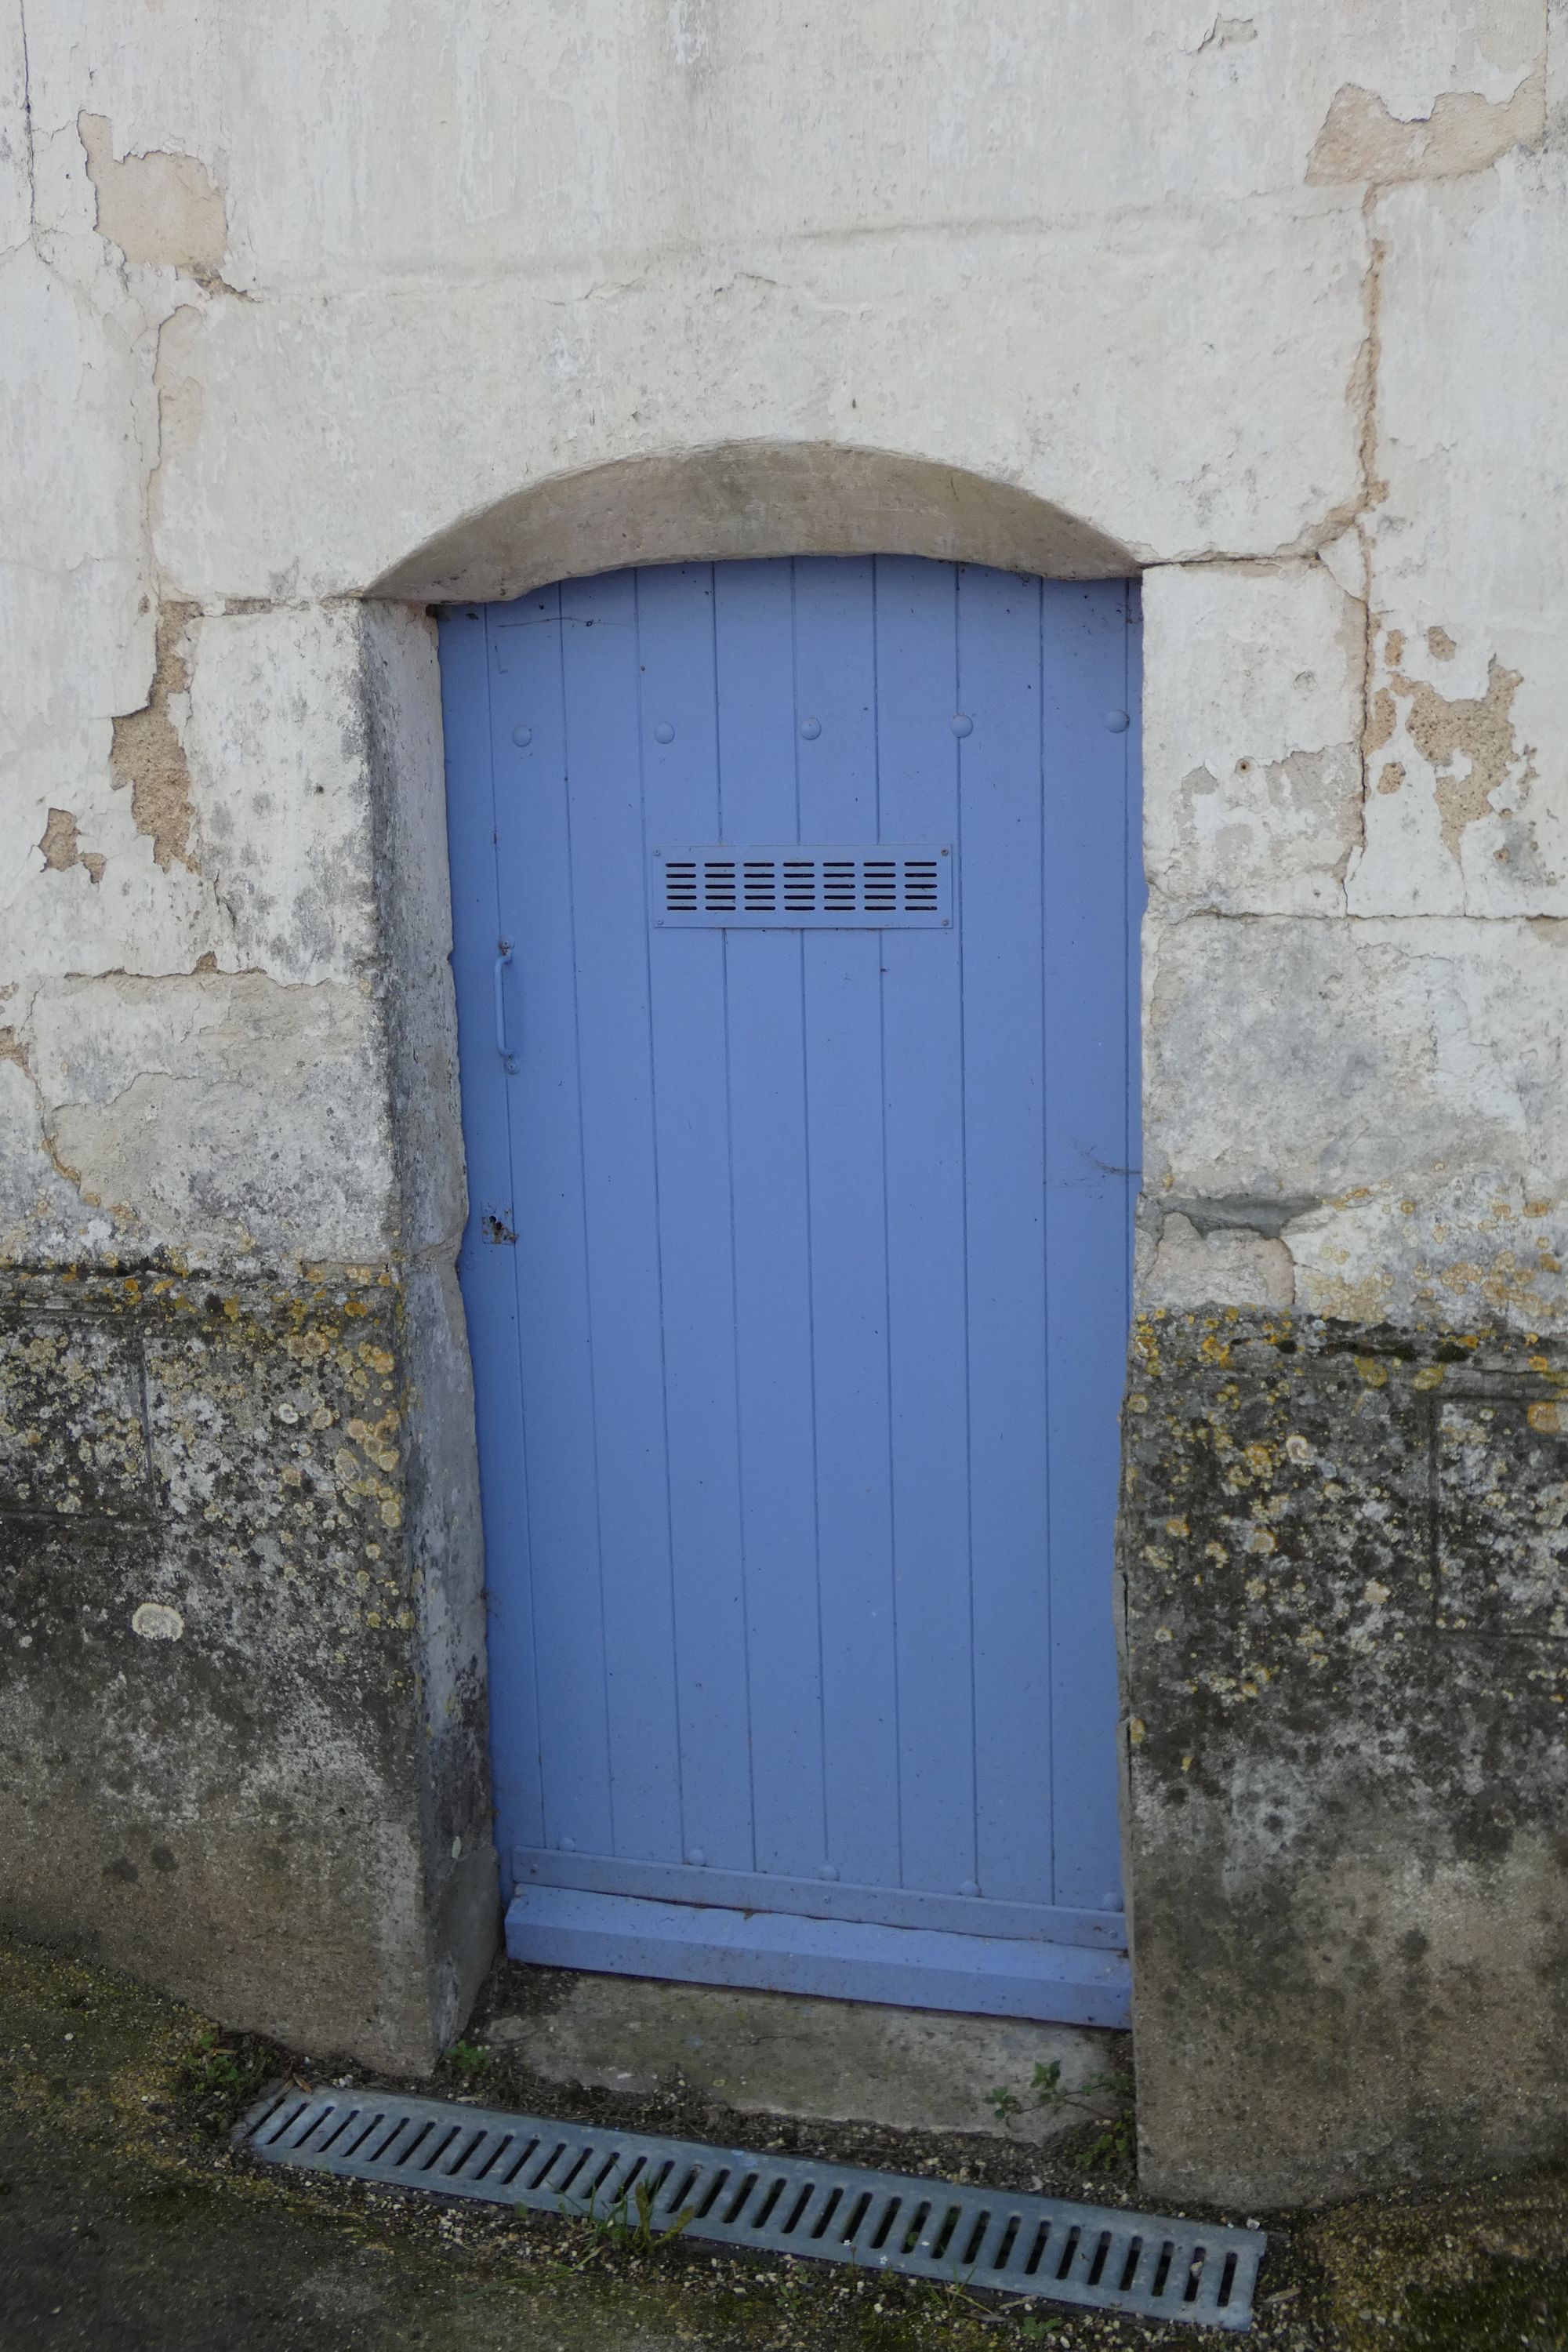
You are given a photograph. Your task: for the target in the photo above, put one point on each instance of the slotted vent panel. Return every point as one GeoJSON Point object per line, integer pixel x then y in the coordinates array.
{"type": "Point", "coordinates": [1016, 2244]}
{"type": "Point", "coordinates": [885, 887]}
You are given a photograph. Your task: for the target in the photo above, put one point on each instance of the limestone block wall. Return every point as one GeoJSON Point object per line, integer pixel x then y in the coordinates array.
{"type": "Point", "coordinates": [318, 315]}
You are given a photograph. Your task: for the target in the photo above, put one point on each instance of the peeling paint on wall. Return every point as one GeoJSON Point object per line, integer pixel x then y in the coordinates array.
{"type": "Point", "coordinates": [1477, 729]}
{"type": "Point", "coordinates": [155, 207]}
{"type": "Point", "coordinates": [1228, 32]}
{"type": "Point", "coordinates": [1468, 742]}
{"type": "Point", "coordinates": [62, 849]}
{"type": "Point", "coordinates": [1361, 139]}
{"type": "Point", "coordinates": [147, 753]}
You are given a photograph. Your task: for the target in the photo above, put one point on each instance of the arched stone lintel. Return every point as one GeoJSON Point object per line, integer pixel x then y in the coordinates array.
{"type": "Point", "coordinates": [749, 499]}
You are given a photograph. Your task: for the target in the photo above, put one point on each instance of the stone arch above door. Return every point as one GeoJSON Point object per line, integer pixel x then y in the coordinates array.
{"type": "Point", "coordinates": [745, 498]}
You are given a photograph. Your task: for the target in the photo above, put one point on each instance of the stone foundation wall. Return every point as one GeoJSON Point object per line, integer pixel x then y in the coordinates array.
{"type": "Point", "coordinates": [1345, 1569]}
{"type": "Point", "coordinates": [223, 1762]}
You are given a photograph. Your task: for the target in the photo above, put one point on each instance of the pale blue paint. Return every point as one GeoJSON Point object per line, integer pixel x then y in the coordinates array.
{"type": "Point", "coordinates": [780, 1952]}
{"type": "Point", "coordinates": [798, 1387]}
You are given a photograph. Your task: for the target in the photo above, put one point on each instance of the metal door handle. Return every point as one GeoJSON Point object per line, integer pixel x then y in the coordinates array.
{"type": "Point", "coordinates": [508, 1058]}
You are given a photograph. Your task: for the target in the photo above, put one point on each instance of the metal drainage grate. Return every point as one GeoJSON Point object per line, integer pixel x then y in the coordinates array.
{"type": "Point", "coordinates": [995, 2238]}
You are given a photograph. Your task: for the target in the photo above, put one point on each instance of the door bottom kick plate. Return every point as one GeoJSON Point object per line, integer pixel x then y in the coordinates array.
{"type": "Point", "coordinates": [779, 1951]}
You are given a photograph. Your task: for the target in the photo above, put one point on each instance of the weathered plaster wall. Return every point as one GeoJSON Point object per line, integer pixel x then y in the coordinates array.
{"type": "Point", "coordinates": [317, 313]}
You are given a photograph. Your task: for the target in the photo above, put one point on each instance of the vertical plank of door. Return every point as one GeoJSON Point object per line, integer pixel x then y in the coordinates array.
{"type": "Point", "coordinates": [487, 1261]}
{"type": "Point", "coordinates": [757, 740]}
{"type": "Point", "coordinates": [999, 878]}
{"type": "Point", "coordinates": [1092, 802]}
{"type": "Point", "coordinates": [533, 867]}
{"type": "Point", "coordinates": [610, 940]}
{"type": "Point", "coordinates": [675, 637]}
{"type": "Point", "coordinates": [835, 657]}
{"type": "Point", "coordinates": [918, 756]}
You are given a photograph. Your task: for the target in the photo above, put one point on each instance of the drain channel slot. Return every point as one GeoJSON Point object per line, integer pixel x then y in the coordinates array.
{"type": "Point", "coordinates": [1090, 2255]}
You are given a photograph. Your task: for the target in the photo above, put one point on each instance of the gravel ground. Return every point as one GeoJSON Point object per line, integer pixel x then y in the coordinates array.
{"type": "Point", "coordinates": [125, 2220]}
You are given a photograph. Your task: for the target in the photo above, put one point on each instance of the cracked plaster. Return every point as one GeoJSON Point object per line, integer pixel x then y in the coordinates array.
{"type": "Point", "coordinates": [1276, 303]}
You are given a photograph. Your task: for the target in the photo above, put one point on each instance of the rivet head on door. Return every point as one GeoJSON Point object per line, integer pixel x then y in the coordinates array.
{"type": "Point", "coordinates": [697, 1859]}
{"type": "Point", "coordinates": [1118, 722]}
{"type": "Point", "coordinates": [663, 732]}
{"type": "Point", "coordinates": [971, 1887]}
{"type": "Point", "coordinates": [829, 1869]}
{"type": "Point", "coordinates": [522, 737]}
{"type": "Point", "coordinates": [811, 728]}
{"type": "Point", "coordinates": [962, 723]}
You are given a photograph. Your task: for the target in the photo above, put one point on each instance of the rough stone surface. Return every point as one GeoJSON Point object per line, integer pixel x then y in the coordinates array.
{"type": "Point", "coordinates": [750, 498]}
{"type": "Point", "coordinates": [219, 1747]}
{"type": "Point", "coordinates": [1205, 1264]}
{"type": "Point", "coordinates": [772, 2053]}
{"type": "Point", "coordinates": [1272, 308]}
{"type": "Point", "coordinates": [1346, 1682]}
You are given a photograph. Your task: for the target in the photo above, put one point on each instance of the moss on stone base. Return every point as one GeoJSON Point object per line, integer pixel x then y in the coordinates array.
{"type": "Point", "coordinates": [1345, 1571]}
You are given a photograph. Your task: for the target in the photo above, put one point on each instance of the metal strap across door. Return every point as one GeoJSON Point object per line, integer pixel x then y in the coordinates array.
{"type": "Point", "coordinates": [795, 912]}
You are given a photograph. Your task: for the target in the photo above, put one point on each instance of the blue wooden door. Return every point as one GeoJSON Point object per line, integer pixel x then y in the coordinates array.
{"type": "Point", "coordinates": [796, 911]}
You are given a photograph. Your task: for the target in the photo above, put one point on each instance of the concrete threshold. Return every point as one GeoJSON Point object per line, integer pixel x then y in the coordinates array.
{"type": "Point", "coordinates": [770, 2053]}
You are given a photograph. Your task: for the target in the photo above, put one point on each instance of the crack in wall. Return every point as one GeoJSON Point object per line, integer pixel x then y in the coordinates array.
{"type": "Point", "coordinates": [1362, 394]}
{"type": "Point", "coordinates": [13, 1049]}
{"type": "Point", "coordinates": [28, 123]}
{"type": "Point", "coordinates": [1361, 139]}
{"type": "Point", "coordinates": [62, 1167]}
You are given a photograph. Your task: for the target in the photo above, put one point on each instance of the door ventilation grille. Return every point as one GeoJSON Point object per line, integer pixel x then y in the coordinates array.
{"type": "Point", "coordinates": [881, 888]}
{"type": "Point", "coordinates": [1086, 2254]}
